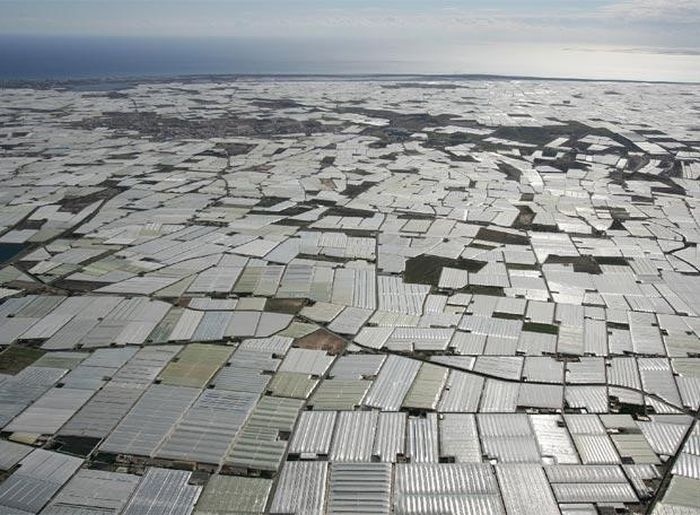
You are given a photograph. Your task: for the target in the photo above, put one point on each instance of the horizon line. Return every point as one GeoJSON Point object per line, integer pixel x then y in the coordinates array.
{"type": "Point", "coordinates": [16, 82]}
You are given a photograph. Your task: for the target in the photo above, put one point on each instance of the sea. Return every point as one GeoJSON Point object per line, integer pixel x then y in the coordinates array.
{"type": "Point", "coordinates": [32, 57]}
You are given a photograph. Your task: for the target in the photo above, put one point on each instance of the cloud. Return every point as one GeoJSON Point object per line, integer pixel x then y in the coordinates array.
{"type": "Point", "coordinates": [655, 11]}
{"type": "Point", "coordinates": [647, 50]}
{"type": "Point", "coordinates": [629, 23]}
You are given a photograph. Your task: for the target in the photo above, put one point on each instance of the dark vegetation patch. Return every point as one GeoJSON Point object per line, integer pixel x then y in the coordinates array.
{"type": "Point", "coordinates": [354, 190]}
{"type": "Point", "coordinates": [348, 211]}
{"type": "Point", "coordinates": [276, 103]}
{"type": "Point", "coordinates": [387, 135]}
{"type": "Point", "coordinates": [324, 202]}
{"type": "Point", "coordinates": [289, 222]}
{"type": "Point", "coordinates": [401, 125]}
{"type": "Point", "coordinates": [507, 238]}
{"type": "Point", "coordinates": [77, 286]}
{"type": "Point", "coordinates": [15, 359]}
{"type": "Point", "coordinates": [617, 224]}
{"type": "Point", "coordinates": [441, 141]}
{"type": "Point", "coordinates": [525, 218]}
{"type": "Point", "coordinates": [75, 445]}
{"type": "Point", "coordinates": [126, 156]}
{"type": "Point", "coordinates": [611, 260]}
{"type": "Point", "coordinates": [75, 204]}
{"type": "Point", "coordinates": [327, 161]}
{"type": "Point", "coordinates": [425, 269]}
{"type": "Point", "coordinates": [670, 168]}
{"type": "Point", "coordinates": [635, 162]}
{"type": "Point", "coordinates": [564, 163]}
{"type": "Point", "coordinates": [294, 211]}
{"type": "Point", "coordinates": [669, 186]}
{"type": "Point", "coordinates": [482, 246]}
{"type": "Point", "coordinates": [358, 171]}
{"type": "Point", "coordinates": [322, 340]}
{"type": "Point", "coordinates": [165, 128]}
{"type": "Point", "coordinates": [114, 95]}
{"type": "Point", "coordinates": [320, 257]}
{"type": "Point", "coordinates": [491, 291]}
{"type": "Point", "coordinates": [407, 171]}
{"type": "Point", "coordinates": [510, 171]}
{"type": "Point", "coordinates": [463, 159]}
{"type": "Point", "coordinates": [28, 223]}
{"type": "Point", "coordinates": [675, 169]}
{"type": "Point", "coordinates": [416, 216]}
{"type": "Point", "coordinates": [420, 85]}
{"type": "Point", "coordinates": [628, 409]}
{"type": "Point", "coordinates": [506, 316]}
{"type": "Point", "coordinates": [535, 327]}
{"type": "Point", "coordinates": [288, 306]}
{"type": "Point", "coordinates": [619, 214]}
{"type": "Point", "coordinates": [185, 90]}
{"type": "Point", "coordinates": [583, 264]}
{"type": "Point", "coordinates": [270, 201]}
{"type": "Point", "coordinates": [236, 149]}
{"type": "Point", "coordinates": [540, 136]}
{"type": "Point", "coordinates": [466, 187]}
{"type": "Point", "coordinates": [521, 266]}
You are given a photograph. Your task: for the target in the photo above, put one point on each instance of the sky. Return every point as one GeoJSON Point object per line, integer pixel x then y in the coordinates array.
{"type": "Point", "coordinates": [600, 39]}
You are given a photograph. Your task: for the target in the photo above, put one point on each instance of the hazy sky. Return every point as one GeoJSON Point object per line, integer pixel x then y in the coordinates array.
{"type": "Point", "coordinates": [647, 39]}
